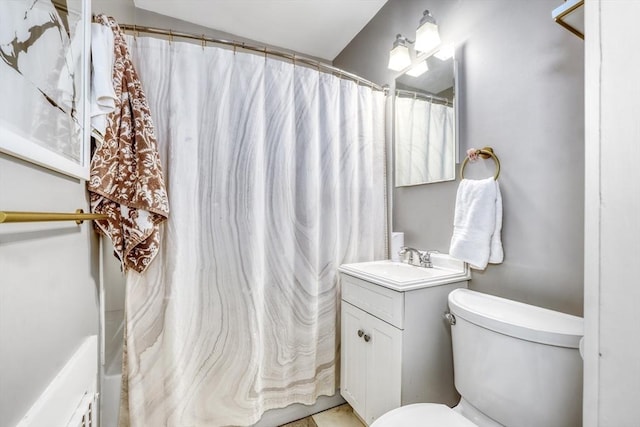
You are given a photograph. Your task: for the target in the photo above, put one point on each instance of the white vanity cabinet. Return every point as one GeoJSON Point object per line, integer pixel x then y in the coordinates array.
{"type": "Point", "coordinates": [395, 345]}
{"type": "Point", "coordinates": [371, 363]}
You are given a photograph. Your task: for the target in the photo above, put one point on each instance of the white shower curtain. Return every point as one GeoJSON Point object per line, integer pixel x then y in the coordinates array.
{"type": "Point", "coordinates": [425, 146]}
{"type": "Point", "coordinates": [275, 175]}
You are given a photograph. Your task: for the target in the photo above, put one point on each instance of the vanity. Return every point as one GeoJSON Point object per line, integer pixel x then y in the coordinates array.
{"type": "Point", "coordinates": [396, 345]}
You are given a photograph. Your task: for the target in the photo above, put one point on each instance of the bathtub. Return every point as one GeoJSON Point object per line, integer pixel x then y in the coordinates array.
{"type": "Point", "coordinates": [111, 368]}
{"type": "Point", "coordinates": [112, 292]}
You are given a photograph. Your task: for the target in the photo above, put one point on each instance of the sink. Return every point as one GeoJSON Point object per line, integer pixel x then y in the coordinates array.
{"type": "Point", "coordinates": [404, 277]}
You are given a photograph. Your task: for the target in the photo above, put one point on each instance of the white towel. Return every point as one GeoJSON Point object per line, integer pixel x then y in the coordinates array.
{"type": "Point", "coordinates": [496, 255]}
{"type": "Point", "coordinates": [103, 96]}
{"type": "Point", "coordinates": [477, 223]}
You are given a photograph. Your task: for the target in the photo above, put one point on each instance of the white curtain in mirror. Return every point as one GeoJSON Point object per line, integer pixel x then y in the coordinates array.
{"type": "Point", "coordinates": [424, 143]}
{"type": "Point", "coordinates": [276, 177]}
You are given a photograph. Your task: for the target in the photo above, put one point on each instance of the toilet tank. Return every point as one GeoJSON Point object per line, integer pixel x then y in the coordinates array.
{"type": "Point", "coordinates": [516, 363]}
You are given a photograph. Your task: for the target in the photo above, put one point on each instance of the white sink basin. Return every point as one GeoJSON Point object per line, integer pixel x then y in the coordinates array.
{"type": "Point", "coordinates": [404, 277]}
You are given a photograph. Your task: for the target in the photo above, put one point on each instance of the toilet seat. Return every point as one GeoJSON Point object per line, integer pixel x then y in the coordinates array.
{"type": "Point", "coordinates": [423, 415]}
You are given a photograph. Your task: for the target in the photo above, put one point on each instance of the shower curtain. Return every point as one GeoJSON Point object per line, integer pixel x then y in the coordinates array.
{"type": "Point", "coordinates": [425, 146]}
{"type": "Point", "coordinates": [276, 176]}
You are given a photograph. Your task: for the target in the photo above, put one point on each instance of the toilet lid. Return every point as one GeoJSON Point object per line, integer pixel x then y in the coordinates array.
{"type": "Point", "coordinates": [423, 415]}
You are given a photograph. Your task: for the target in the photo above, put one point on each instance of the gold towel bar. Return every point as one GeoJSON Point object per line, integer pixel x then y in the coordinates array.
{"type": "Point", "coordinates": [485, 153]}
{"type": "Point", "coordinates": [79, 216]}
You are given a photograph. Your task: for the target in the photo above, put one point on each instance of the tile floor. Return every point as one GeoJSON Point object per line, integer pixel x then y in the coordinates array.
{"type": "Point", "coordinates": [340, 416]}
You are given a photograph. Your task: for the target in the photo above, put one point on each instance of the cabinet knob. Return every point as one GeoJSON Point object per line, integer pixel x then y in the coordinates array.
{"type": "Point", "coordinates": [367, 338]}
{"type": "Point", "coordinates": [360, 332]}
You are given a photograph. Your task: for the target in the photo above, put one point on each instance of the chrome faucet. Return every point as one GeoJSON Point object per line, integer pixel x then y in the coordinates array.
{"type": "Point", "coordinates": [407, 250]}
{"type": "Point", "coordinates": [424, 257]}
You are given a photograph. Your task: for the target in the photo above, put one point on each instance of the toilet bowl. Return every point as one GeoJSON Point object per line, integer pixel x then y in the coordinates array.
{"type": "Point", "coordinates": [436, 415]}
{"type": "Point", "coordinates": [423, 414]}
{"type": "Point", "coordinates": [515, 365]}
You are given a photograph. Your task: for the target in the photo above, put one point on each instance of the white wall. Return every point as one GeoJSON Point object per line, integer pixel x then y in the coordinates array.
{"type": "Point", "coordinates": [125, 12]}
{"type": "Point", "coordinates": [48, 276]}
{"type": "Point", "coordinates": [612, 220]}
{"type": "Point", "coordinates": [521, 93]}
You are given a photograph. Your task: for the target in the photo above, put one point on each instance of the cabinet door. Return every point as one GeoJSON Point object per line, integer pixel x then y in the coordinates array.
{"type": "Point", "coordinates": [384, 368]}
{"type": "Point", "coordinates": [353, 358]}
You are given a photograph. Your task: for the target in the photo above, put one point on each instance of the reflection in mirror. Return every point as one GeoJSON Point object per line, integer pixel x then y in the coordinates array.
{"type": "Point", "coordinates": [425, 122]}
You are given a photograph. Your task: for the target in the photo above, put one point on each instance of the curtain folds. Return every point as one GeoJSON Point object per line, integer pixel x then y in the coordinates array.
{"type": "Point", "coordinates": [424, 141]}
{"type": "Point", "coordinates": [276, 177]}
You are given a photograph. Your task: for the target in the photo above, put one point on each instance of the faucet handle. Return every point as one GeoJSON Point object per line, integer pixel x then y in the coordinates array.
{"type": "Point", "coordinates": [425, 258]}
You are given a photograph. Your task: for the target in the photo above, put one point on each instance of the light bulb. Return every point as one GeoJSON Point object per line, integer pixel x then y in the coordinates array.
{"type": "Point", "coordinates": [399, 57]}
{"type": "Point", "coordinates": [427, 36]}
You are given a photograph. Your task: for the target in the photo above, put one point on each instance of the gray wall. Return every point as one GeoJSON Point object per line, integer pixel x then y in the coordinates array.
{"type": "Point", "coordinates": [48, 276]}
{"type": "Point", "coordinates": [522, 92]}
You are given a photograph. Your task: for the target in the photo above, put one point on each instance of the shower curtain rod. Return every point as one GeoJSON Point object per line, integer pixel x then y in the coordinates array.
{"type": "Point", "coordinates": [263, 50]}
{"type": "Point", "coordinates": [412, 94]}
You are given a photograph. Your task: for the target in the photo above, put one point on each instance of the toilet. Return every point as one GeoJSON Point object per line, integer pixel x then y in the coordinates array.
{"type": "Point", "coordinates": [515, 365]}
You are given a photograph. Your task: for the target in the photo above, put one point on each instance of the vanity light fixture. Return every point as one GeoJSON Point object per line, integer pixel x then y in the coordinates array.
{"type": "Point", "coordinates": [399, 57]}
{"type": "Point", "coordinates": [418, 69]}
{"type": "Point", "coordinates": [427, 40]}
{"type": "Point", "coordinates": [427, 36]}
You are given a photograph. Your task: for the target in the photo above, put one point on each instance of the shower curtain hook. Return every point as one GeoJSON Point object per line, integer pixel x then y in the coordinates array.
{"type": "Point", "coordinates": [265, 54]}
{"type": "Point", "coordinates": [294, 59]}
{"type": "Point", "coordinates": [135, 32]}
{"type": "Point", "coordinates": [170, 36]}
{"type": "Point", "coordinates": [204, 42]}
{"type": "Point", "coordinates": [235, 46]}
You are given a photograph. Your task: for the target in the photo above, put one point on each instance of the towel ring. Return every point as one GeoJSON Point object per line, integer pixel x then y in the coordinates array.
{"type": "Point", "coordinates": [485, 153]}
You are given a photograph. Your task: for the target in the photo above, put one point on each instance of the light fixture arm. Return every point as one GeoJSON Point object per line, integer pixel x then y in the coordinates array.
{"type": "Point", "coordinates": [402, 40]}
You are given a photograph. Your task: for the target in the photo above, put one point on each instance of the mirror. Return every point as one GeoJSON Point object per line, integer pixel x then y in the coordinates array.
{"type": "Point", "coordinates": [425, 121]}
